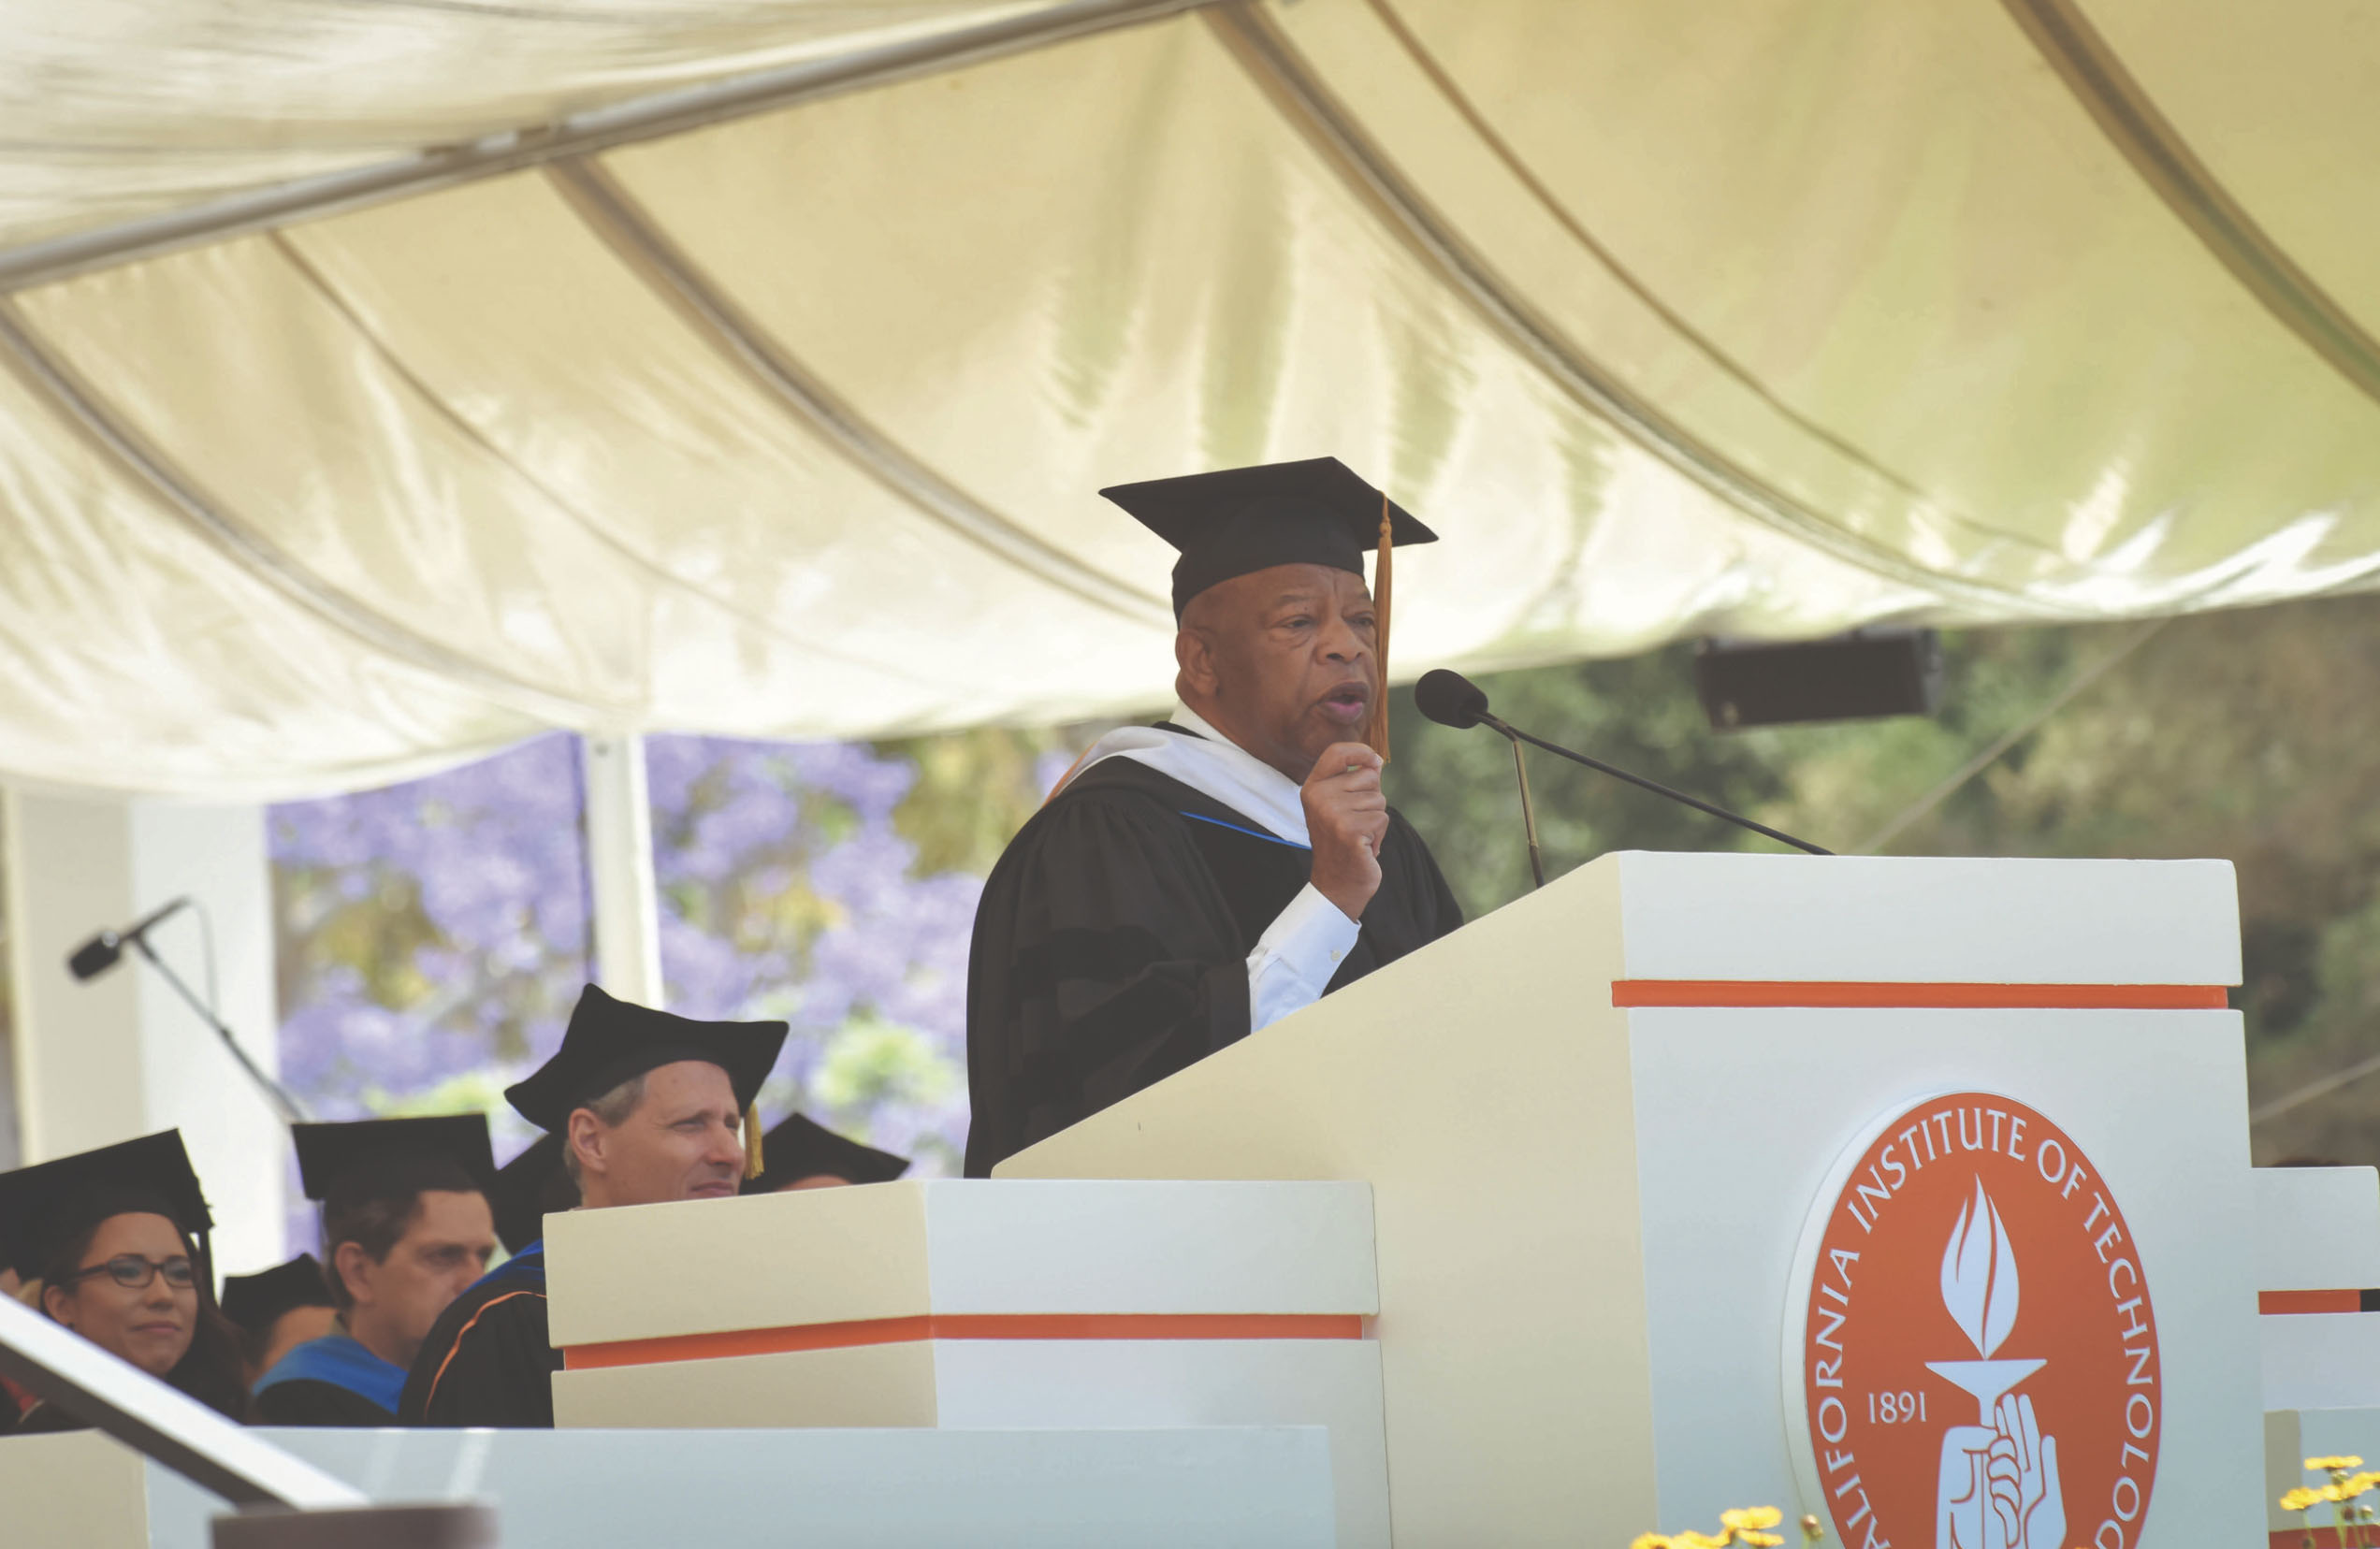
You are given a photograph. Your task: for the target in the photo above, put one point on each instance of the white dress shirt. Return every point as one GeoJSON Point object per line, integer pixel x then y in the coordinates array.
{"type": "Point", "coordinates": [1307, 941]}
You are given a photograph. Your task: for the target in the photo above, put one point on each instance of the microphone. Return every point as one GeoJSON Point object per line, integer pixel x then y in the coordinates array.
{"type": "Point", "coordinates": [105, 949]}
{"type": "Point", "coordinates": [1453, 700]}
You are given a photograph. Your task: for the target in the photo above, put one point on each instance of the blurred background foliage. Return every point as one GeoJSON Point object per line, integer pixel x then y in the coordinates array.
{"type": "Point", "coordinates": [2248, 735]}
{"type": "Point", "coordinates": [434, 934]}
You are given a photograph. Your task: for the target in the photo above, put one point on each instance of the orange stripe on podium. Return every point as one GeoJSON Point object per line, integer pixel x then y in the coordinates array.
{"type": "Point", "coordinates": [2021, 997]}
{"type": "Point", "coordinates": [2309, 1301]}
{"type": "Point", "coordinates": [987, 1325]}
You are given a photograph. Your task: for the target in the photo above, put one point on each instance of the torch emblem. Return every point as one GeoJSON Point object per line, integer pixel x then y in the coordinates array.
{"type": "Point", "coordinates": [1969, 1285]}
{"type": "Point", "coordinates": [1999, 1477]}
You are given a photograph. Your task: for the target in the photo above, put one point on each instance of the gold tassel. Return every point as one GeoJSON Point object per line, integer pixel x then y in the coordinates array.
{"type": "Point", "coordinates": [753, 1164]}
{"type": "Point", "coordinates": [1380, 591]}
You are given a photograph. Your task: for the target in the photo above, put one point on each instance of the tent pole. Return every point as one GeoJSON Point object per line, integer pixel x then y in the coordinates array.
{"type": "Point", "coordinates": [622, 897]}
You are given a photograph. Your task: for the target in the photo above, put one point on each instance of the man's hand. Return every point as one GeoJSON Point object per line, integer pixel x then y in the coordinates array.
{"type": "Point", "coordinates": [1347, 821]}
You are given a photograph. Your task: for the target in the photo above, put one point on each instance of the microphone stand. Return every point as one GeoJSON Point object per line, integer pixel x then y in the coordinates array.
{"type": "Point", "coordinates": [292, 1112]}
{"type": "Point", "coordinates": [1519, 736]}
{"type": "Point", "coordinates": [1528, 813]}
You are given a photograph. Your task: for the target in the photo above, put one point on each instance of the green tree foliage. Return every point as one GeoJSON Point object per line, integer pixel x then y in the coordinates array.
{"type": "Point", "coordinates": [2245, 735]}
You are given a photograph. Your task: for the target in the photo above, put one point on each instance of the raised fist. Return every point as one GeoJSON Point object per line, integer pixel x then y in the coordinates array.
{"type": "Point", "coordinates": [1347, 821]}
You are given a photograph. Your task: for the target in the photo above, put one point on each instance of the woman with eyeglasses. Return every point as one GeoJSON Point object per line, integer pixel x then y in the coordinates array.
{"type": "Point", "coordinates": [117, 1240]}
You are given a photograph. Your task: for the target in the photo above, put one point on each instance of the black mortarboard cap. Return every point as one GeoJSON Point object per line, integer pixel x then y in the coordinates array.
{"type": "Point", "coordinates": [798, 1148]}
{"type": "Point", "coordinates": [1241, 520]}
{"type": "Point", "coordinates": [609, 1041]}
{"type": "Point", "coordinates": [47, 1203]}
{"type": "Point", "coordinates": [327, 1153]}
{"type": "Point", "coordinates": [529, 1188]}
{"type": "Point", "coordinates": [255, 1301]}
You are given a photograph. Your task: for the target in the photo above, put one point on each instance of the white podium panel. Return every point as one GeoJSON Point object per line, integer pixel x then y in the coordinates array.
{"type": "Point", "coordinates": [2317, 1229]}
{"type": "Point", "coordinates": [2318, 1272]}
{"type": "Point", "coordinates": [975, 1304]}
{"type": "Point", "coordinates": [1714, 1180]}
{"type": "Point", "coordinates": [1026, 1385]}
{"type": "Point", "coordinates": [1260, 1489]}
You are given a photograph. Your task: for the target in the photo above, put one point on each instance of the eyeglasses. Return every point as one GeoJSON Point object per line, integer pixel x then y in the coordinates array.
{"type": "Point", "coordinates": [133, 1273]}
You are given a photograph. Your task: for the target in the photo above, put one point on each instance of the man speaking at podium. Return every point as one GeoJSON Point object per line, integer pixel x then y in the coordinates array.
{"type": "Point", "coordinates": [1190, 882]}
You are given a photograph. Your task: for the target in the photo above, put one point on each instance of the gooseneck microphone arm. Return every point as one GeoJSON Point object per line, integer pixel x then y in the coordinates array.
{"type": "Point", "coordinates": [1655, 787]}
{"type": "Point", "coordinates": [292, 1112]}
{"type": "Point", "coordinates": [1527, 814]}
{"type": "Point", "coordinates": [105, 949]}
{"type": "Point", "coordinates": [1452, 700]}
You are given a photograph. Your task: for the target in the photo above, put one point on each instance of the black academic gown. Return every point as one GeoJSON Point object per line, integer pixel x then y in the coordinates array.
{"type": "Point", "coordinates": [305, 1402]}
{"type": "Point", "coordinates": [489, 1359]}
{"type": "Point", "coordinates": [1111, 945]}
{"type": "Point", "coordinates": [48, 1419]}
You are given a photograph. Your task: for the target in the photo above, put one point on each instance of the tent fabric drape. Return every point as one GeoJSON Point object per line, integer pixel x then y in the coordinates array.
{"type": "Point", "coordinates": [1751, 319]}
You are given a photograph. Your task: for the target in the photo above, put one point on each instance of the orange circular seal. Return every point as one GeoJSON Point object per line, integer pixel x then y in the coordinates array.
{"type": "Point", "coordinates": [1977, 1357]}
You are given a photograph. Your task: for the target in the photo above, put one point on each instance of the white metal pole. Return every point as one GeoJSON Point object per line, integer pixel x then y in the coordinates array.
{"type": "Point", "coordinates": [123, 1055]}
{"type": "Point", "coordinates": [619, 868]}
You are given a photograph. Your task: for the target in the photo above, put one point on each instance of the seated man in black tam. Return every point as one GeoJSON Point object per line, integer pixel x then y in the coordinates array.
{"type": "Point", "coordinates": [529, 1188]}
{"type": "Point", "coordinates": [802, 1154]}
{"type": "Point", "coordinates": [649, 1109]}
{"type": "Point", "coordinates": [406, 1228]}
{"type": "Point", "coordinates": [276, 1310]}
{"type": "Point", "coordinates": [1195, 880]}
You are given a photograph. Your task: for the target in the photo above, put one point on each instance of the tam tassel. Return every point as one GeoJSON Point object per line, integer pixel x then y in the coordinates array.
{"type": "Point", "coordinates": [753, 1163]}
{"type": "Point", "coordinates": [1382, 577]}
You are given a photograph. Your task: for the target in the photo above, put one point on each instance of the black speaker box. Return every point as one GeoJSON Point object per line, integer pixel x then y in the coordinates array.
{"type": "Point", "coordinates": [1858, 676]}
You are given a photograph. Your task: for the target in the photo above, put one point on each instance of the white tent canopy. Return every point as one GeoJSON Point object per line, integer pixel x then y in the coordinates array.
{"type": "Point", "coordinates": [387, 380]}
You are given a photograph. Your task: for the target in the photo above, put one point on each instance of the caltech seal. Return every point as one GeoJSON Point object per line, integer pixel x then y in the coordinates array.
{"type": "Point", "coordinates": [1976, 1364]}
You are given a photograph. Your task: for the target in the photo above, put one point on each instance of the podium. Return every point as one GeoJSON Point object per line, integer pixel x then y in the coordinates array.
{"type": "Point", "coordinates": [1266, 1487]}
{"type": "Point", "coordinates": [1707, 1180]}
{"type": "Point", "coordinates": [2318, 1260]}
{"type": "Point", "coordinates": [1178, 1312]}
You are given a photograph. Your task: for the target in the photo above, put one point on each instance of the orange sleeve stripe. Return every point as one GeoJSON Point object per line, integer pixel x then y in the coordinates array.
{"type": "Point", "coordinates": [455, 1348]}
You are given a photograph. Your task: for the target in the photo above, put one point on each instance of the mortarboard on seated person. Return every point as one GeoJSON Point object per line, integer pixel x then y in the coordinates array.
{"type": "Point", "coordinates": [117, 1237]}
{"type": "Point", "coordinates": [801, 1154]}
{"type": "Point", "coordinates": [406, 1228]}
{"type": "Point", "coordinates": [529, 1188]}
{"type": "Point", "coordinates": [1193, 881]}
{"type": "Point", "coordinates": [276, 1310]}
{"type": "Point", "coordinates": [646, 1108]}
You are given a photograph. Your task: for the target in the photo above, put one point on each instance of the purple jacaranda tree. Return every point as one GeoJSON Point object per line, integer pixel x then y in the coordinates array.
{"type": "Point", "coordinates": [435, 934]}
{"type": "Point", "coordinates": [431, 932]}
{"type": "Point", "coordinates": [787, 892]}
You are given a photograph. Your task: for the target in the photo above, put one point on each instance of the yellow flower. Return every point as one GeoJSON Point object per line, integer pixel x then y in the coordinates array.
{"type": "Point", "coordinates": [2356, 1484]}
{"type": "Point", "coordinates": [1747, 1518]}
{"type": "Point", "coordinates": [1693, 1540]}
{"type": "Point", "coordinates": [2326, 1463]}
{"type": "Point", "coordinates": [1651, 1540]}
{"type": "Point", "coordinates": [1759, 1540]}
{"type": "Point", "coordinates": [2299, 1500]}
